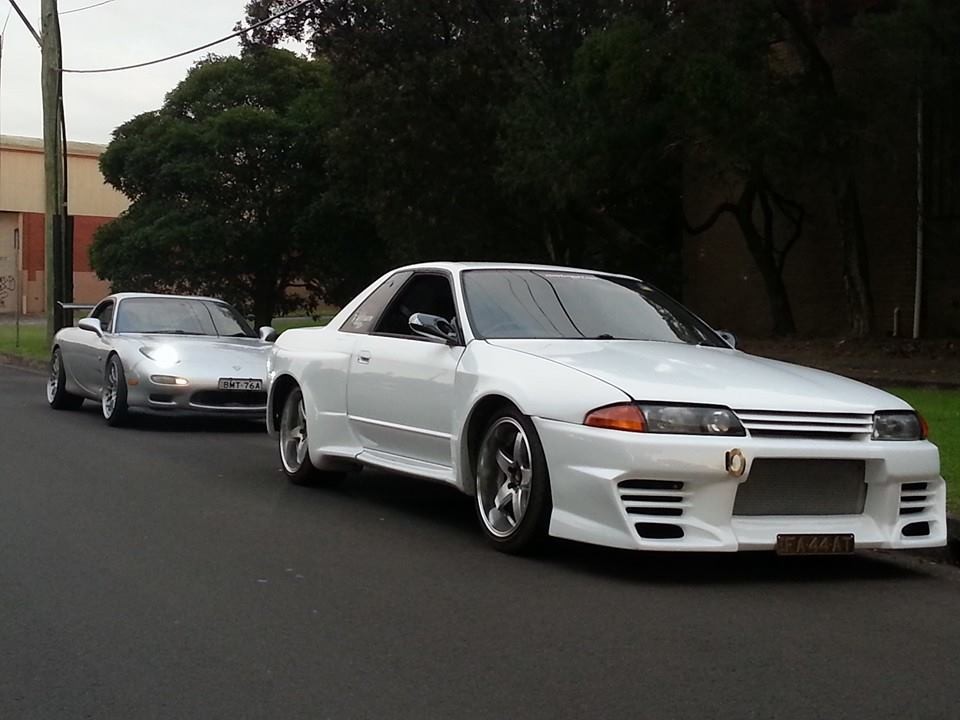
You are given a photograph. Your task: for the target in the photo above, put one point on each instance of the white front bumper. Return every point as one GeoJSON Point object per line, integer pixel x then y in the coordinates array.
{"type": "Point", "coordinates": [586, 464]}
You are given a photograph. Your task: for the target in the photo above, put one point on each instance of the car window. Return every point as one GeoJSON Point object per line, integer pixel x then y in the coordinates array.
{"type": "Point", "coordinates": [228, 321]}
{"type": "Point", "coordinates": [571, 305]}
{"type": "Point", "coordinates": [104, 313]}
{"type": "Point", "coordinates": [363, 318]}
{"type": "Point", "coordinates": [424, 293]}
{"type": "Point", "coordinates": [171, 316]}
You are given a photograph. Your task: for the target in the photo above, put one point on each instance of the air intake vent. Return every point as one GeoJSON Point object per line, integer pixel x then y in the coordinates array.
{"type": "Point", "coordinates": [802, 487]}
{"type": "Point", "coordinates": [914, 498]}
{"type": "Point", "coordinates": [825, 426]}
{"type": "Point", "coordinates": [654, 499]}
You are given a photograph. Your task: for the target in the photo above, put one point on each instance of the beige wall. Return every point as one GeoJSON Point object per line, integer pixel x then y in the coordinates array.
{"type": "Point", "coordinates": [21, 179]}
{"type": "Point", "coordinates": [8, 262]}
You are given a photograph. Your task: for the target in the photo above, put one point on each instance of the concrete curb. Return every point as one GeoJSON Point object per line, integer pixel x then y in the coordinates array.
{"type": "Point", "coordinates": [23, 363]}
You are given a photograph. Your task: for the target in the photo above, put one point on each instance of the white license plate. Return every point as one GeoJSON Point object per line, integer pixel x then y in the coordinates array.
{"type": "Point", "coordinates": [239, 384]}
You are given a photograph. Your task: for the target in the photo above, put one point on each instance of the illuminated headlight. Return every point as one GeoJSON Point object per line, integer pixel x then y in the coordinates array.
{"type": "Point", "coordinates": [163, 355]}
{"type": "Point", "coordinates": [899, 425]}
{"type": "Point", "coordinates": [169, 380]}
{"type": "Point", "coordinates": [667, 419]}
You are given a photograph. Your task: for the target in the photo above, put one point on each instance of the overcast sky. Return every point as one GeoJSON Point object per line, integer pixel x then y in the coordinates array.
{"type": "Point", "coordinates": [122, 32]}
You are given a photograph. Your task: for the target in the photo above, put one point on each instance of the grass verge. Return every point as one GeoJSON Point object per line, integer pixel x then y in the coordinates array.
{"type": "Point", "coordinates": [33, 341]}
{"type": "Point", "coordinates": [941, 408]}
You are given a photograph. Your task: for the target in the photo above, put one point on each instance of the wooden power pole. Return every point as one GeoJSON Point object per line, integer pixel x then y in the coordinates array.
{"type": "Point", "coordinates": [51, 81]}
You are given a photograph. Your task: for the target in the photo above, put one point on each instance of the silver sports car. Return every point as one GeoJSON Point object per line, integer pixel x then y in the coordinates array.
{"type": "Point", "coordinates": [160, 352]}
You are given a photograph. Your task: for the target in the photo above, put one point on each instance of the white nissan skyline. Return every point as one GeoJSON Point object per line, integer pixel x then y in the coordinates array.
{"type": "Point", "coordinates": [591, 406]}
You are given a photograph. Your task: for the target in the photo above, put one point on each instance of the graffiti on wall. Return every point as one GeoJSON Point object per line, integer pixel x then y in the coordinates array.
{"type": "Point", "coordinates": [8, 285]}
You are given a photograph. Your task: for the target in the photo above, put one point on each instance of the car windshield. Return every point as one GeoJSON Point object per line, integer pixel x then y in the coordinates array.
{"type": "Point", "coordinates": [181, 316]}
{"type": "Point", "coordinates": [572, 305]}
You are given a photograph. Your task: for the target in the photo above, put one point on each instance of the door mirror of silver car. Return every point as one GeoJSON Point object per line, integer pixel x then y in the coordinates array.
{"type": "Point", "coordinates": [268, 334]}
{"type": "Point", "coordinates": [728, 337]}
{"type": "Point", "coordinates": [434, 328]}
{"type": "Point", "coordinates": [92, 325]}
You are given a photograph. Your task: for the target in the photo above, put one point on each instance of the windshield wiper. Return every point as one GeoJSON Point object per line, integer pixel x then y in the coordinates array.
{"type": "Point", "coordinates": [169, 332]}
{"type": "Point", "coordinates": [605, 336]}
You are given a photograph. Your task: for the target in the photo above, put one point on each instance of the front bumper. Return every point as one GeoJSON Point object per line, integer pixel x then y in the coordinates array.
{"type": "Point", "coordinates": [200, 395]}
{"type": "Point", "coordinates": [587, 465]}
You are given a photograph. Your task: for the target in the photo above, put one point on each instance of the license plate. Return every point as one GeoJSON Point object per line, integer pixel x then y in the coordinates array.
{"type": "Point", "coordinates": [239, 384]}
{"type": "Point", "coordinates": [827, 544]}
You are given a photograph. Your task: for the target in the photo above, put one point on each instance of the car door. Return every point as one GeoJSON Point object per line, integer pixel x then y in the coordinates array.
{"type": "Point", "coordinates": [90, 350]}
{"type": "Point", "coordinates": [400, 384]}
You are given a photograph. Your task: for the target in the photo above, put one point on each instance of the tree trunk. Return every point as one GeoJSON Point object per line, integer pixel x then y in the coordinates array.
{"type": "Point", "coordinates": [264, 298]}
{"type": "Point", "coordinates": [781, 313]}
{"type": "Point", "coordinates": [853, 245]}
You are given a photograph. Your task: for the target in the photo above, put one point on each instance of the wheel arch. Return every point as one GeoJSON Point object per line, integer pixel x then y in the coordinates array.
{"type": "Point", "coordinates": [282, 386]}
{"type": "Point", "coordinates": [477, 421]}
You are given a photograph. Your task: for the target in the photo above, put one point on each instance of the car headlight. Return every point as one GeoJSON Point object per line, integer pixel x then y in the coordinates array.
{"type": "Point", "coordinates": [672, 419]}
{"type": "Point", "coordinates": [162, 355]}
{"type": "Point", "coordinates": [899, 425]}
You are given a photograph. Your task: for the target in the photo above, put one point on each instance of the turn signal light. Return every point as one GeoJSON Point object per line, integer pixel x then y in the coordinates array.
{"type": "Point", "coordinates": [617, 417]}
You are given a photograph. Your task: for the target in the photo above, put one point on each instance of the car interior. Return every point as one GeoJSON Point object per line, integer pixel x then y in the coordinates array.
{"type": "Point", "coordinates": [424, 293]}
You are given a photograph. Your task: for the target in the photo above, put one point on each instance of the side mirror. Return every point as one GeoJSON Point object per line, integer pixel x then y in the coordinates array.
{"type": "Point", "coordinates": [91, 325]}
{"type": "Point", "coordinates": [268, 334]}
{"type": "Point", "coordinates": [728, 337]}
{"type": "Point", "coordinates": [434, 327]}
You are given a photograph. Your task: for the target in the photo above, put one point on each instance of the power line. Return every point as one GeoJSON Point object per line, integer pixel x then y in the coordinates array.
{"type": "Point", "coordinates": [87, 7]}
{"type": "Point", "coordinates": [238, 33]}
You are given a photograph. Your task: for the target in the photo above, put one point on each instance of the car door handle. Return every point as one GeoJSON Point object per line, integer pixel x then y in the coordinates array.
{"type": "Point", "coordinates": [363, 357]}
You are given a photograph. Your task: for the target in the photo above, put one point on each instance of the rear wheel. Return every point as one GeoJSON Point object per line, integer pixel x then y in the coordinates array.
{"type": "Point", "coordinates": [113, 398]}
{"type": "Point", "coordinates": [513, 487]}
{"type": "Point", "coordinates": [57, 394]}
{"type": "Point", "coordinates": [295, 444]}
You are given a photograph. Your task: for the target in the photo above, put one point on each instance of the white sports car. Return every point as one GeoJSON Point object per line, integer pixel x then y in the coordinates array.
{"type": "Point", "coordinates": [591, 406]}
{"type": "Point", "coordinates": [162, 353]}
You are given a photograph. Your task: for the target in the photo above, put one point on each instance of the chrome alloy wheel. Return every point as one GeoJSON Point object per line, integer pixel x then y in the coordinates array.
{"type": "Point", "coordinates": [53, 382]}
{"type": "Point", "coordinates": [293, 433]}
{"type": "Point", "coordinates": [111, 388]}
{"type": "Point", "coordinates": [504, 477]}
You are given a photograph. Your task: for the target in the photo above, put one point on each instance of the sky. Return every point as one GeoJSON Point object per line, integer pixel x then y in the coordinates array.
{"type": "Point", "coordinates": [122, 32]}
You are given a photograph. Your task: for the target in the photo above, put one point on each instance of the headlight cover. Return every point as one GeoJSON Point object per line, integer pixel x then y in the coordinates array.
{"type": "Point", "coordinates": [667, 419]}
{"type": "Point", "coordinates": [899, 425]}
{"type": "Point", "coordinates": [162, 355]}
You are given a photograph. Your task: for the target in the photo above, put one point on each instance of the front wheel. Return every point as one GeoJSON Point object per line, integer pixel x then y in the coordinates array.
{"type": "Point", "coordinates": [57, 395]}
{"type": "Point", "coordinates": [113, 398]}
{"type": "Point", "coordinates": [513, 486]}
{"type": "Point", "coordinates": [295, 444]}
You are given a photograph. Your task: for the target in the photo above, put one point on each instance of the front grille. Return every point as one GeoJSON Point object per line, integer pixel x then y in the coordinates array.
{"type": "Point", "coordinates": [229, 398]}
{"type": "Point", "coordinates": [914, 498]}
{"type": "Point", "coordinates": [654, 499]}
{"type": "Point", "coordinates": [802, 487]}
{"type": "Point", "coordinates": [825, 426]}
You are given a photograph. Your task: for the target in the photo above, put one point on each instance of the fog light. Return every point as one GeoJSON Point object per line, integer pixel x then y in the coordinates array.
{"type": "Point", "coordinates": [169, 380]}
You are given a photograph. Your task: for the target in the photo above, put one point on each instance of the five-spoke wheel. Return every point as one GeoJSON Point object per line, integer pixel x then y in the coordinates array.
{"type": "Point", "coordinates": [513, 488]}
{"type": "Point", "coordinates": [113, 396]}
{"type": "Point", "coordinates": [57, 394]}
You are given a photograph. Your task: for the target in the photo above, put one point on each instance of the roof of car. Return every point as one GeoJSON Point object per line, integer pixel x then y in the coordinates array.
{"type": "Point", "coordinates": [458, 267]}
{"type": "Point", "coordinates": [131, 295]}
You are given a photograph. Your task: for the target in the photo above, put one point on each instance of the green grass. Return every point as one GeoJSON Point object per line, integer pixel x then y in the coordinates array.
{"type": "Point", "coordinates": [941, 409]}
{"type": "Point", "coordinates": [288, 323]}
{"type": "Point", "coordinates": [33, 341]}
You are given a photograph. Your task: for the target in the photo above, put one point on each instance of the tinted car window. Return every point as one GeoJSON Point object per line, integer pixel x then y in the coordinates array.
{"type": "Point", "coordinates": [547, 304]}
{"type": "Point", "coordinates": [228, 321]}
{"type": "Point", "coordinates": [104, 314]}
{"type": "Point", "coordinates": [363, 318]}
{"type": "Point", "coordinates": [425, 293]}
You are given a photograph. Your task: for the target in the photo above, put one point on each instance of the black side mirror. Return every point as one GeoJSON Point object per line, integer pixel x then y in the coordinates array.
{"type": "Point", "coordinates": [268, 334]}
{"type": "Point", "coordinates": [434, 328]}
{"type": "Point", "coordinates": [728, 337]}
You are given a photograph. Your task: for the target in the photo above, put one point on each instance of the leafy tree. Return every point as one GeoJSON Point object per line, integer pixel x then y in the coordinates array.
{"type": "Point", "coordinates": [228, 188]}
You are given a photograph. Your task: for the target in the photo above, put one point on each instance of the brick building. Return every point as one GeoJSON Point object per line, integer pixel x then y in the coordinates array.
{"type": "Point", "coordinates": [91, 203]}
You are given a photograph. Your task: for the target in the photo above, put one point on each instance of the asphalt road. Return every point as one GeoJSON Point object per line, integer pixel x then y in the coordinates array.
{"type": "Point", "coordinates": [169, 571]}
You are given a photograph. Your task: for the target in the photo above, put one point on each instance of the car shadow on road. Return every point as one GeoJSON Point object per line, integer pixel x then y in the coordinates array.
{"type": "Point", "coordinates": [444, 506]}
{"type": "Point", "coordinates": [183, 422]}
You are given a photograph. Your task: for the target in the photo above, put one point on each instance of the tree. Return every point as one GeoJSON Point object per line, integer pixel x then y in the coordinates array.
{"type": "Point", "coordinates": [228, 188]}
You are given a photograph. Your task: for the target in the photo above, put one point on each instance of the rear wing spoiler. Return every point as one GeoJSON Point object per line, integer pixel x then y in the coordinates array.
{"type": "Point", "coordinates": [71, 308]}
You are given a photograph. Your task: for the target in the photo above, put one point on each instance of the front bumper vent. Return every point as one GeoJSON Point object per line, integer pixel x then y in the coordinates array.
{"type": "Point", "coordinates": [778, 486]}
{"type": "Point", "coordinates": [914, 498]}
{"type": "Point", "coordinates": [229, 399]}
{"type": "Point", "coordinates": [647, 500]}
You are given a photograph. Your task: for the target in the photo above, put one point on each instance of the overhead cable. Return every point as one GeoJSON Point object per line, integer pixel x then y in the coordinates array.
{"type": "Point", "coordinates": [191, 51]}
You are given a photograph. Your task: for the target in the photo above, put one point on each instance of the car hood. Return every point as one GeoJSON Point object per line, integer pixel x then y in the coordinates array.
{"type": "Point", "coordinates": [250, 352]}
{"type": "Point", "coordinates": [676, 372]}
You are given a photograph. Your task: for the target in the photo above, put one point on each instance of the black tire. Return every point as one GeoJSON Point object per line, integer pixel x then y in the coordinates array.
{"type": "Point", "coordinates": [294, 444]}
{"type": "Point", "coordinates": [498, 468]}
{"type": "Point", "coordinates": [57, 395]}
{"type": "Point", "coordinates": [115, 410]}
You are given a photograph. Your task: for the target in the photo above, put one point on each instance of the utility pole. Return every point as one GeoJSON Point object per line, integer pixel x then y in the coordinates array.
{"type": "Point", "coordinates": [54, 149]}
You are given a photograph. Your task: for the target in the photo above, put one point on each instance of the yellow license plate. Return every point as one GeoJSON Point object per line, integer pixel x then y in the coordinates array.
{"type": "Point", "coordinates": [816, 544]}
